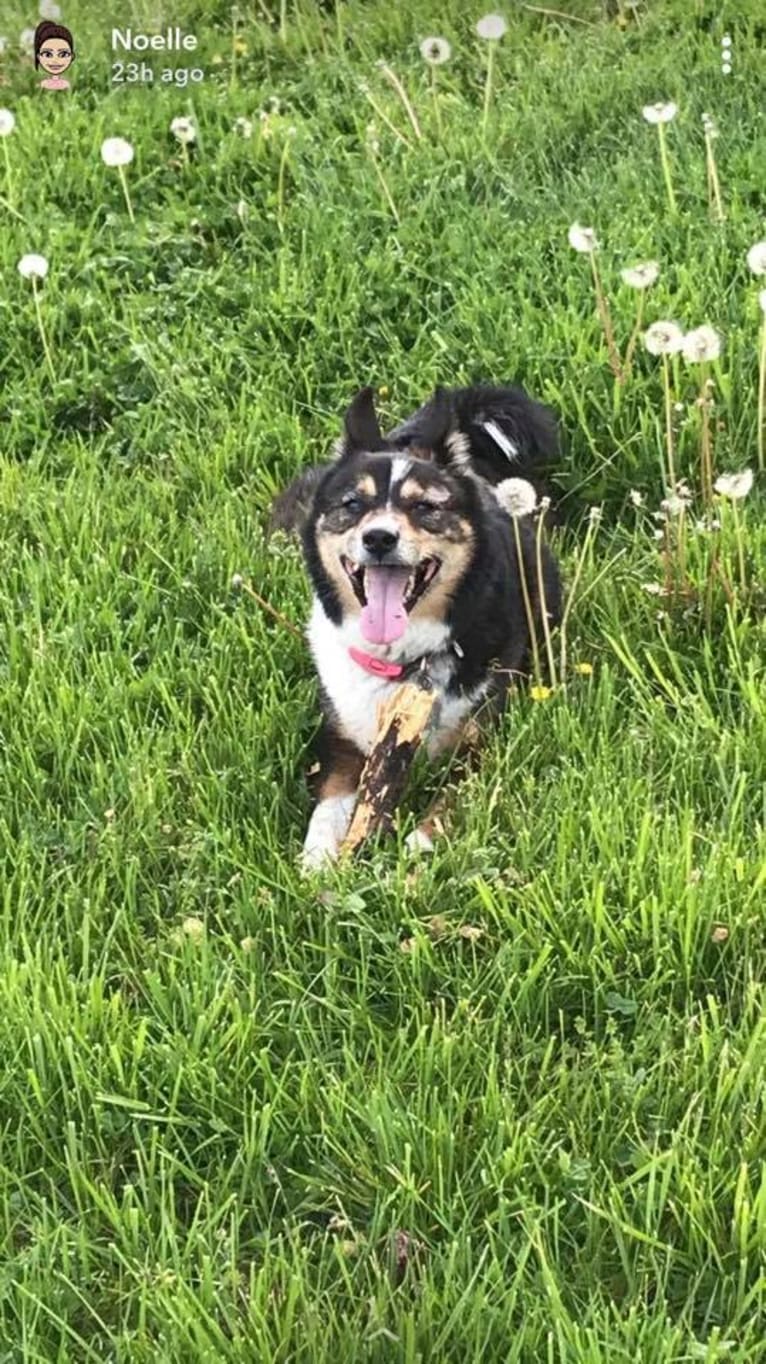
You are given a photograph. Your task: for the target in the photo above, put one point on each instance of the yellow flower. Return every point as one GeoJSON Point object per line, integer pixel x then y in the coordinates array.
{"type": "Point", "coordinates": [383, 391]}
{"type": "Point", "coordinates": [584, 669]}
{"type": "Point", "coordinates": [240, 47]}
{"type": "Point", "coordinates": [540, 693]}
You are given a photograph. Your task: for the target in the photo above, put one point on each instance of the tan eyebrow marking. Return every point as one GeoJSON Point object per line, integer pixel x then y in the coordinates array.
{"type": "Point", "coordinates": [366, 485]}
{"type": "Point", "coordinates": [432, 493]}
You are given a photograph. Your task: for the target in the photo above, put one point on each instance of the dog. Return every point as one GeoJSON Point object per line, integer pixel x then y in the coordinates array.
{"type": "Point", "coordinates": [414, 561]}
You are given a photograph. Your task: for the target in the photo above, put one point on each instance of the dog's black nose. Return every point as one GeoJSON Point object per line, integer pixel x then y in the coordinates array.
{"type": "Point", "coordinates": [379, 541]}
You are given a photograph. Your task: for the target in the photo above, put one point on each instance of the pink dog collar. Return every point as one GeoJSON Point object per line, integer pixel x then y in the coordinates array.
{"type": "Point", "coordinates": [378, 666]}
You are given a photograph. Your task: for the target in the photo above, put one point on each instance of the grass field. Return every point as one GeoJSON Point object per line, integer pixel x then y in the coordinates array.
{"type": "Point", "coordinates": [503, 1104]}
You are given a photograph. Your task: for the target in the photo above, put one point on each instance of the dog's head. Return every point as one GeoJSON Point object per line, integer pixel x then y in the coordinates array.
{"type": "Point", "coordinates": [392, 532]}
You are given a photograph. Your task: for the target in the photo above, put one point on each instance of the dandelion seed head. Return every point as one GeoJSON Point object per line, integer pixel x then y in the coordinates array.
{"type": "Point", "coordinates": [193, 928]}
{"type": "Point", "coordinates": [583, 239]}
{"type": "Point", "coordinates": [236, 581]}
{"type": "Point", "coordinates": [243, 126]}
{"type": "Point", "coordinates": [27, 39]}
{"type": "Point", "coordinates": [491, 27]}
{"type": "Point", "coordinates": [703, 343]}
{"type": "Point", "coordinates": [116, 151]}
{"type": "Point", "coordinates": [674, 505]}
{"type": "Point", "coordinates": [756, 258]}
{"type": "Point", "coordinates": [48, 10]}
{"type": "Point", "coordinates": [663, 338]}
{"type": "Point", "coordinates": [641, 276]}
{"type": "Point", "coordinates": [636, 497]}
{"type": "Point", "coordinates": [435, 51]}
{"type": "Point", "coordinates": [734, 486]}
{"type": "Point", "coordinates": [726, 40]}
{"type": "Point", "coordinates": [183, 129]}
{"type": "Point", "coordinates": [659, 113]}
{"type": "Point", "coordinates": [516, 496]}
{"type": "Point", "coordinates": [7, 122]}
{"type": "Point", "coordinates": [726, 68]}
{"type": "Point", "coordinates": [33, 266]}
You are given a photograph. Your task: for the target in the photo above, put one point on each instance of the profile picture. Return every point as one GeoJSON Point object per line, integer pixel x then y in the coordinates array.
{"type": "Point", "coordinates": [54, 52]}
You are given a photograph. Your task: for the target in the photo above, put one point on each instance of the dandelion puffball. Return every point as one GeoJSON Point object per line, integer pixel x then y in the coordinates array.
{"type": "Point", "coordinates": [435, 51]}
{"type": "Point", "coordinates": [659, 113]}
{"type": "Point", "coordinates": [641, 276]}
{"type": "Point", "coordinates": [33, 267]}
{"type": "Point", "coordinates": [734, 486]}
{"type": "Point", "coordinates": [7, 122]}
{"type": "Point", "coordinates": [516, 496]}
{"type": "Point", "coordinates": [756, 258]}
{"type": "Point", "coordinates": [703, 343]}
{"type": "Point", "coordinates": [243, 126]}
{"type": "Point", "coordinates": [48, 10]}
{"type": "Point", "coordinates": [184, 130]}
{"type": "Point", "coordinates": [491, 27]}
{"type": "Point", "coordinates": [663, 338]}
{"type": "Point", "coordinates": [116, 151]}
{"type": "Point", "coordinates": [27, 39]}
{"type": "Point", "coordinates": [582, 238]}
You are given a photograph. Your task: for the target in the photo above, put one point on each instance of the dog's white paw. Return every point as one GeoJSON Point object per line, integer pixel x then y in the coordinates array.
{"type": "Point", "coordinates": [419, 841]}
{"type": "Point", "coordinates": [327, 829]}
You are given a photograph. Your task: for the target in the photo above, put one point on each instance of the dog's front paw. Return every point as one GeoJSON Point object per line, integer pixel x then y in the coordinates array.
{"type": "Point", "coordinates": [327, 829]}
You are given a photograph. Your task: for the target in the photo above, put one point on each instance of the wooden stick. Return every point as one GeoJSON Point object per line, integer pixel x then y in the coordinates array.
{"type": "Point", "coordinates": [402, 723]}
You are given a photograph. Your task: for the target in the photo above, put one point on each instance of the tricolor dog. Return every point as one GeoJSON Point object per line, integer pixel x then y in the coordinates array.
{"type": "Point", "coordinates": [410, 547]}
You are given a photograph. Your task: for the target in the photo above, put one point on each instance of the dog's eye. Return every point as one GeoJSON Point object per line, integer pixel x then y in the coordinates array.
{"type": "Point", "coordinates": [351, 503]}
{"type": "Point", "coordinates": [426, 507]}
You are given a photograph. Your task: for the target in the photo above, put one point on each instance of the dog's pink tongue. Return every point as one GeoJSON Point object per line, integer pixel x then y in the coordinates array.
{"type": "Point", "coordinates": [384, 617]}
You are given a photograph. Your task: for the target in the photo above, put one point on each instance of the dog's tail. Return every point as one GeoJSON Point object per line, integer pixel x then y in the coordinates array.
{"type": "Point", "coordinates": [499, 432]}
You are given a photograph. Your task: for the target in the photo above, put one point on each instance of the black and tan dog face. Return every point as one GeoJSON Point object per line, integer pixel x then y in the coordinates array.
{"type": "Point", "coordinates": [391, 537]}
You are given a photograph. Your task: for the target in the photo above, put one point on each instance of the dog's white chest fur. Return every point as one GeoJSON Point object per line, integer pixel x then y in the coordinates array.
{"type": "Point", "coordinates": [355, 694]}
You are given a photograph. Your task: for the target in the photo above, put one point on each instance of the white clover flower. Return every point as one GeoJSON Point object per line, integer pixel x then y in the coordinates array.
{"type": "Point", "coordinates": [435, 51]}
{"type": "Point", "coordinates": [7, 122]}
{"type": "Point", "coordinates": [243, 126]}
{"type": "Point", "coordinates": [183, 130]}
{"type": "Point", "coordinates": [659, 113]}
{"type": "Point", "coordinates": [756, 258]}
{"type": "Point", "coordinates": [516, 496]}
{"type": "Point", "coordinates": [33, 267]}
{"type": "Point", "coordinates": [27, 39]}
{"type": "Point", "coordinates": [595, 514]}
{"type": "Point", "coordinates": [48, 10]}
{"type": "Point", "coordinates": [236, 581]}
{"type": "Point", "coordinates": [703, 343]}
{"type": "Point", "coordinates": [641, 276]}
{"type": "Point", "coordinates": [582, 238]}
{"type": "Point", "coordinates": [663, 338]}
{"type": "Point", "coordinates": [734, 486]}
{"type": "Point", "coordinates": [116, 151]}
{"type": "Point", "coordinates": [762, 300]}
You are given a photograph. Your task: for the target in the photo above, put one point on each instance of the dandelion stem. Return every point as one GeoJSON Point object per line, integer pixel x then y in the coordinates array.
{"type": "Point", "coordinates": [488, 84]}
{"type": "Point", "coordinates": [393, 79]}
{"type": "Point", "coordinates": [43, 337]}
{"type": "Point", "coordinates": [283, 20]}
{"type": "Point", "coordinates": [761, 394]}
{"type": "Point", "coordinates": [668, 423]}
{"type": "Point", "coordinates": [384, 116]}
{"type": "Point", "coordinates": [706, 444]}
{"type": "Point", "coordinates": [606, 322]}
{"type": "Point", "coordinates": [124, 183]}
{"type": "Point", "coordinates": [384, 185]}
{"type": "Point", "coordinates": [234, 17]}
{"type": "Point", "coordinates": [543, 601]}
{"type": "Point", "coordinates": [281, 182]}
{"type": "Point", "coordinates": [634, 335]}
{"type": "Point", "coordinates": [571, 597]}
{"type": "Point", "coordinates": [714, 188]}
{"type": "Point", "coordinates": [527, 603]}
{"type": "Point", "coordinates": [246, 587]}
{"type": "Point", "coordinates": [666, 168]}
{"type": "Point", "coordinates": [740, 545]}
{"type": "Point", "coordinates": [8, 176]}
{"type": "Point", "coordinates": [437, 108]}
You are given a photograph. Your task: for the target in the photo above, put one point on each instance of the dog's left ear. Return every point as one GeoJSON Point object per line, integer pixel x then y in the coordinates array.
{"type": "Point", "coordinates": [362, 431]}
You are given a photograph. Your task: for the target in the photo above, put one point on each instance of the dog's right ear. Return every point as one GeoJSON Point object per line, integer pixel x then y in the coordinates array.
{"type": "Point", "coordinates": [361, 429]}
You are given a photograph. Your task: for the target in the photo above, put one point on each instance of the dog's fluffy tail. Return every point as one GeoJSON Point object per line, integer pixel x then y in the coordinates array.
{"type": "Point", "coordinates": [500, 432]}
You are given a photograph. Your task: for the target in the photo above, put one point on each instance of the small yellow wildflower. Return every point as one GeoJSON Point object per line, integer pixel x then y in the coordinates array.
{"type": "Point", "coordinates": [540, 693]}
{"type": "Point", "coordinates": [584, 669]}
{"type": "Point", "coordinates": [383, 391]}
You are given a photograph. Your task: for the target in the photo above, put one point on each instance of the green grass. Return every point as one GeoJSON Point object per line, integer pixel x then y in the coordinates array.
{"type": "Point", "coordinates": [507, 1103]}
